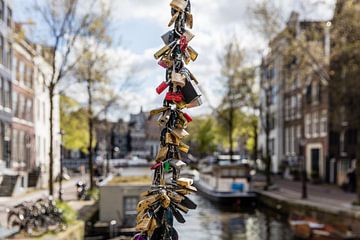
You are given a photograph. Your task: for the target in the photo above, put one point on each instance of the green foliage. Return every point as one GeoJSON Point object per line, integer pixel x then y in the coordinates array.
{"type": "Point", "coordinates": [69, 214]}
{"type": "Point", "coordinates": [93, 194]}
{"type": "Point", "coordinates": [204, 135]}
{"type": "Point", "coordinates": [74, 122]}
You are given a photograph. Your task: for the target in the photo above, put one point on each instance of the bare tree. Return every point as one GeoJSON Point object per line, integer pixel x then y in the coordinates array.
{"type": "Point", "coordinates": [64, 24]}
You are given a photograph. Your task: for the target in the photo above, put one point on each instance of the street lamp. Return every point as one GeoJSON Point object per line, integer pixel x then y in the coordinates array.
{"type": "Point", "coordinates": [61, 163]}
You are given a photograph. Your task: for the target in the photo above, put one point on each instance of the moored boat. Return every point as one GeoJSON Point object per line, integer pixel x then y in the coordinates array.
{"type": "Point", "coordinates": [226, 182]}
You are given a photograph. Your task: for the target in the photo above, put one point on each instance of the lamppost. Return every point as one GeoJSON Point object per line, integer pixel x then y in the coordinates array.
{"type": "Point", "coordinates": [61, 163]}
{"type": "Point", "coordinates": [303, 169]}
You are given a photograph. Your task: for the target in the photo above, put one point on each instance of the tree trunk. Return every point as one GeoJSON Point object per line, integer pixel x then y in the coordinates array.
{"type": "Point", "coordinates": [358, 165]}
{"type": "Point", "coordinates": [91, 126]}
{"type": "Point", "coordinates": [231, 129]}
{"type": "Point", "coordinates": [255, 153]}
{"type": "Point", "coordinates": [267, 148]}
{"type": "Point", "coordinates": [51, 149]}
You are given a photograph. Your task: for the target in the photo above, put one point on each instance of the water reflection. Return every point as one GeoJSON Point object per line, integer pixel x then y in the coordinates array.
{"type": "Point", "coordinates": [209, 222]}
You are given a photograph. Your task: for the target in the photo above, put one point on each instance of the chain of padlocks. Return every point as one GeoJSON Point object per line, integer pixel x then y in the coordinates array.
{"type": "Point", "coordinates": [167, 198]}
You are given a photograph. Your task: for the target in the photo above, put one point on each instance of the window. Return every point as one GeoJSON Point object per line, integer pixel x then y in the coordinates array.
{"type": "Point", "coordinates": [272, 121]}
{"type": "Point", "coordinates": [21, 71]}
{"type": "Point", "coordinates": [323, 123]}
{"type": "Point", "coordinates": [9, 55]}
{"type": "Point", "coordinates": [30, 76]}
{"type": "Point", "coordinates": [1, 49]}
{"type": "Point", "coordinates": [272, 146]}
{"type": "Point", "coordinates": [9, 17]}
{"type": "Point", "coordinates": [15, 154]}
{"type": "Point", "coordinates": [29, 110]}
{"type": "Point", "coordinates": [308, 94]}
{"type": "Point", "coordinates": [20, 106]}
{"type": "Point", "coordinates": [2, 6]}
{"type": "Point", "coordinates": [287, 139]}
{"type": "Point", "coordinates": [1, 92]}
{"type": "Point", "coordinates": [299, 106]}
{"type": "Point", "coordinates": [315, 124]}
{"type": "Point", "coordinates": [15, 103]}
{"type": "Point", "coordinates": [307, 125]}
{"type": "Point", "coordinates": [7, 94]}
{"type": "Point", "coordinates": [130, 204]}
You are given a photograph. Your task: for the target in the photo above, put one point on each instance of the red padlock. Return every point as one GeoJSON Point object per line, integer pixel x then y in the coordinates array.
{"type": "Point", "coordinates": [187, 116]}
{"type": "Point", "coordinates": [183, 43]}
{"type": "Point", "coordinates": [174, 97]}
{"type": "Point", "coordinates": [156, 166]}
{"type": "Point", "coordinates": [161, 87]}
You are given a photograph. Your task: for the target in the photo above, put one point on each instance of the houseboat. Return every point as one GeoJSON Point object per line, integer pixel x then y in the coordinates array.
{"type": "Point", "coordinates": [226, 181]}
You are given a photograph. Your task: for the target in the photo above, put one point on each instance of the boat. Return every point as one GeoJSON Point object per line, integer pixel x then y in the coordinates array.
{"type": "Point", "coordinates": [311, 229]}
{"type": "Point", "coordinates": [226, 181]}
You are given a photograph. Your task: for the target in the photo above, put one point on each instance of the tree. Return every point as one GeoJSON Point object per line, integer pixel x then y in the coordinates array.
{"type": "Point", "coordinates": [93, 70]}
{"type": "Point", "coordinates": [64, 23]}
{"type": "Point", "coordinates": [204, 136]}
{"type": "Point", "coordinates": [73, 120]}
{"type": "Point", "coordinates": [239, 89]}
{"type": "Point", "coordinates": [345, 72]}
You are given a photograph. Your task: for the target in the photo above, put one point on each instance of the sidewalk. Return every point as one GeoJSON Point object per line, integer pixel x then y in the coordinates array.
{"type": "Point", "coordinates": [69, 194]}
{"type": "Point", "coordinates": [326, 203]}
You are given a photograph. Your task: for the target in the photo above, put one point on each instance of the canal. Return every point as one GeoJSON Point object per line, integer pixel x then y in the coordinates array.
{"type": "Point", "coordinates": [211, 222]}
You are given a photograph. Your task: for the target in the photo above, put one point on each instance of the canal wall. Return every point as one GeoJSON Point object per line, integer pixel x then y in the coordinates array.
{"type": "Point", "coordinates": [348, 216]}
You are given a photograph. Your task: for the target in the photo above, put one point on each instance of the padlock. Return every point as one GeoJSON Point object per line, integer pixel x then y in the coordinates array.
{"type": "Point", "coordinates": [195, 103]}
{"type": "Point", "coordinates": [176, 163]}
{"type": "Point", "coordinates": [145, 203]}
{"type": "Point", "coordinates": [183, 147]}
{"type": "Point", "coordinates": [183, 43]}
{"type": "Point", "coordinates": [173, 18]}
{"type": "Point", "coordinates": [187, 202]}
{"type": "Point", "coordinates": [153, 226]}
{"type": "Point", "coordinates": [175, 197]}
{"type": "Point", "coordinates": [161, 155]}
{"type": "Point", "coordinates": [184, 191]}
{"type": "Point", "coordinates": [171, 139]}
{"type": "Point", "coordinates": [178, 216]}
{"type": "Point", "coordinates": [190, 91]}
{"type": "Point", "coordinates": [158, 111]}
{"type": "Point", "coordinates": [187, 117]}
{"type": "Point", "coordinates": [189, 36]}
{"type": "Point", "coordinates": [164, 118]}
{"type": "Point", "coordinates": [189, 20]}
{"type": "Point", "coordinates": [179, 5]}
{"type": "Point", "coordinates": [178, 79]}
{"type": "Point", "coordinates": [165, 50]}
{"type": "Point", "coordinates": [144, 224]}
{"type": "Point", "coordinates": [184, 182]}
{"type": "Point", "coordinates": [174, 96]}
{"type": "Point", "coordinates": [165, 62]}
{"type": "Point", "coordinates": [186, 56]}
{"type": "Point", "coordinates": [141, 215]}
{"type": "Point", "coordinates": [165, 200]}
{"type": "Point", "coordinates": [180, 207]}
{"type": "Point", "coordinates": [170, 36]}
{"type": "Point", "coordinates": [193, 53]}
{"type": "Point", "coordinates": [161, 87]}
{"type": "Point", "coordinates": [179, 133]}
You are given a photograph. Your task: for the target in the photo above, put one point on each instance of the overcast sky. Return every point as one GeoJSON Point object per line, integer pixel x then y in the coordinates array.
{"type": "Point", "coordinates": [140, 23]}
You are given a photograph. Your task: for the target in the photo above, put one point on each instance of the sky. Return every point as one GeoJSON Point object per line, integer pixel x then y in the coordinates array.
{"type": "Point", "coordinates": [139, 25]}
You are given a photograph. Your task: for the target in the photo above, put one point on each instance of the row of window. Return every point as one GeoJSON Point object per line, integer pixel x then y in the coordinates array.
{"type": "Point", "coordinates": [293, 107]}
{"type": "Point", "coordinates": [3, 13]}
{"type": "Point", "coordinates": [292, 137]}
{"type": "Point", "coordinates": [24, 72]}
{"type": "Point", "coordinates": [22, 107]}
{"type": "Point", "coordinates": [316, 124]}
{"type": "Point", "coordinates": [21, 148]}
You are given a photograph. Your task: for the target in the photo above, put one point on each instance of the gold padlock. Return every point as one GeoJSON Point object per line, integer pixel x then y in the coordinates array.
{"type": "Point", "coordinates": [173, 19]}
{"type": "Point", "coordinates": [181, 207]}
{"type": "Point", "coordinates": [153, 226]}
{"type": "Point", "coordinates": [195, 103]}
{"type": "Point", "coordinates": [178, 79]}
{"type": "Point", "coordinates": [186, 56]}
{"type": "Point", "coordinates": [193, 53]}
{"type": "Point", "coordinates": [179, 133]}
{"type": "Point", "coordinates": [167, 61]}
{"type": "Point", "coordinates": [161, 155]}
{"type": "Point", "coordinates": [158, 111]}
{"type": "Point", "coordinates": [162, 51]}
{"type": "Point", "coordinates": [183, 147]}
{"type": "Point", "coordinates": [184, 191]}
{"type": "Point", "coordinates": [189, 20]}
{"type": "Point", "coordinates": [165, 200]}
{"type": "Point", "coordinates": [179, 5]}
{"type": "Point", "coordinates": [141, 215]}
{"type": "Point", "coordinates": [171, 139]}
{"type": "Point", "coordinates": [175, 197]}
{"type": "Point", "coordinates": [144, 224]}
{"type": "Point", "coordinates": [144, 204]}
{"type": "Point", "coordinates": [184, 182]}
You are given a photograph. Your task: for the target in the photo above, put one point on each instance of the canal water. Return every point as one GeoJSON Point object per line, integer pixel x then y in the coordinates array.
{"type": "Point", "coordinates": [212, 222]}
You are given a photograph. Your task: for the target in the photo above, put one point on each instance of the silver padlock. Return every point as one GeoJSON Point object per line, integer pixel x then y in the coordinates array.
{"type": "Point", "coordinates": [164, 118]}
{"type": "Point", "coordinates": [178, 79]}
{"type": "Point", "coordinates": [179, 133]}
